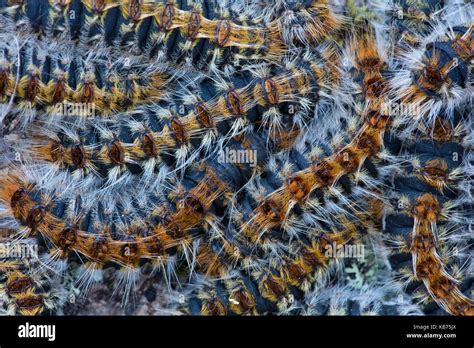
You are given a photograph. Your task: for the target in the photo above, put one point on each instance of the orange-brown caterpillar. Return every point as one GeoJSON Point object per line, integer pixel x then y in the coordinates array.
{"type": "Point", "coordinates": [427, 264]}
{"type": "Point", "coordinates": [365, 56]}
{"type": "Point", "coordinates": [431, 192]}
{"type": "Point", "coordinates": [273, 211]}
{"type": "Point", "coordinates": [145, 144]}
{"type": "Point", "coordinates": [99, 247]}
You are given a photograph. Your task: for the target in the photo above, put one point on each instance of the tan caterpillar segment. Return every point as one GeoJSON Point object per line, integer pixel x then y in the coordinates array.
{"type": "Point", "coordinates": [295, 268]}
{"type": "Point", "coordinates": [268, 40]}
{"type": "Point", "coordinates": [366, 59]}
{"type": "Point", "coordinates": [223, 33]}
{"type": "Point", "coordinates": [427, 264]}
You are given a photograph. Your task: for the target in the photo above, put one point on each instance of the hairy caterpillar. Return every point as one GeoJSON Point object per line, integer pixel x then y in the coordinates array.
{"type": "Point", "coordinates": [54, 79]}
{"type": "Point", "coordinates": [435, 79]}
{"type": "Point", "coordinates": [293, 267]}
{"type": "Point", "coordinates": [431, 197]}
{"type": "Point", "coordinates": [146, 142]}
{"type": "Point", "coordinates": [176, 28]}
{"type": "Point", "coordinates": [272, 286]}
{"type": "Point", "coordinates": [366, 68]}
{"type": "Point", "coordinates": [98, 247]}
{"type": "Point", "coordinates": [410, 19]}
{"type": "Point", "coordinates": [431, 171]}
{"type": "Point", "coordinates": [70, 227]}
{"type": "Point", "coordinates": [22, 291]}
{"type": "Point", "coordinates": [273, 211]}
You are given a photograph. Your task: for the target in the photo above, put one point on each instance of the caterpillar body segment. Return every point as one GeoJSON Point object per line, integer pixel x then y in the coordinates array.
{"type": "Point", "coordinates": [366, 64]}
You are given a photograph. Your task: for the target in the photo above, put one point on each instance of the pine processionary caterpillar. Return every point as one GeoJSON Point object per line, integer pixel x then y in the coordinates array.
{"type": "Point", "coordinates": [175, 26]}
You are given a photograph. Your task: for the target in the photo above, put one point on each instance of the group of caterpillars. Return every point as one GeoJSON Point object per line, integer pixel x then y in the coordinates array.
{"type": "Point", "coordinates": [357, 130]}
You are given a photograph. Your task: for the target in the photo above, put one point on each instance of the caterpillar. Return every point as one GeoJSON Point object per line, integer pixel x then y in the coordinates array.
{"type": "Point", "coordinates": [56, 80]}
{"type": "Point", "coordinates": [435, 79]}
{"type": "Point", "coordinates": [431, 199]}
{"type": "Point", "coordinates": [156, 190]}
{"type": "Point", "coordinates": [275, 285]}
{"type": "Point", "coordinates": [100, 247]}
{"type": "Point", "coordinates": [227, 180]}
{"type": "Point", "coordinates": [145, 143]}
{"type": "Point", "coordinates": [411, 19]}
{"type": "Point", "coordinates": [22, 291]}
{"type": "Point", "coordinates": [219, 258]}
{"type": "Point", "coordinates": [101, 237]}
{"type": "Point", "coordinates": [174, 29]}
{"type": "Point", "coordinates": [366, 68]}
{"type": "Point", "coordinates": [272, 212]}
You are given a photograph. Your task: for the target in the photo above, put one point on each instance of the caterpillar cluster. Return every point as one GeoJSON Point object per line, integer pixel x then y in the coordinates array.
{"type": "Point", "coordinates": [427, 219]}
{"type": "Point", "coordinates": [57, 80]}
{"type": "Point", "coordinates": [409, 20]}
{"type": "Point", "coordinates": [235, 151]}
{"type": "Point", "coordinates": [181, 30]}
